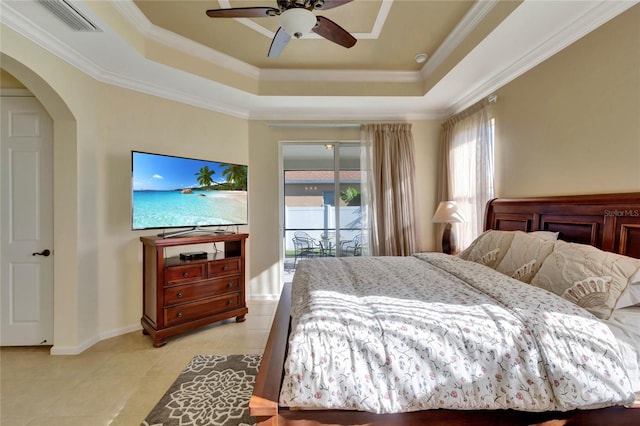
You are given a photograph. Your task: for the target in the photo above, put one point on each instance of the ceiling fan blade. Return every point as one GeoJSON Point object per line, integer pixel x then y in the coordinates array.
{"type": "Point", "coordinates": [243, 12]}
{"type": "Point", "coordinates": [279, 42]}
{"type": "Point", "coordinates": [330, 4]}
{"type": "Point", "coordinates": [333, 32]}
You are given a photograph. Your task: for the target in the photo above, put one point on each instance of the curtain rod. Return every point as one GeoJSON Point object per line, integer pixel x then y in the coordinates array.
{"type": "Point", "coordinates": [318, 125]}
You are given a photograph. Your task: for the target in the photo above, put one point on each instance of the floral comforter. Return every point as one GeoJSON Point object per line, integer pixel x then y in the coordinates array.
{"type": "Point", "coordinates": [398, 334]}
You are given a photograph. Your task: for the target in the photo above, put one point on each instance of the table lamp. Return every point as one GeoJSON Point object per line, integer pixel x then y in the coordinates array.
{"type": "Point", "coordinates": [448, 212]}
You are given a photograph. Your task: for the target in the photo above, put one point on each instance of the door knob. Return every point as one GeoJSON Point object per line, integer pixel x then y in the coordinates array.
{"type": "Point", "coordinates": [45, 253]}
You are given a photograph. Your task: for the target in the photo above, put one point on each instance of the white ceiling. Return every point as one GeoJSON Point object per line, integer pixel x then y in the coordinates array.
{"type": "Point", "coordinates": [534, 31]}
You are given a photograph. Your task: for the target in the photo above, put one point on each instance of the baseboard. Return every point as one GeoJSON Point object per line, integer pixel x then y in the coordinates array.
{"type": "Point", "coordinates": [75, 350]}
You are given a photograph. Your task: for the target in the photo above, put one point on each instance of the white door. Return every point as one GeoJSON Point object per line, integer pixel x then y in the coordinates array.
{"type": "Point", "coordinates": [26, 216]}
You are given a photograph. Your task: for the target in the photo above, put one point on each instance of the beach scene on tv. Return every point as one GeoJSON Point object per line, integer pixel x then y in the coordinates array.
{"type": "Point", "coordinates": [171, 192]}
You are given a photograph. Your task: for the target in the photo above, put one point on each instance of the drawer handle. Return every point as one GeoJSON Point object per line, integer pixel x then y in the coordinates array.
{"type": "Point", "coordinates": [179, 314]}
{"type": "Point", "coordinates": [179, 294]}
{"type": "Point", "coordinates": [230, 284]}
{"type": "Point", "coordinates": [229, 302]}
{"type": "Point", "coordinates": [225, 267]}
{"type": "Point", "coordinates": [185, 274]}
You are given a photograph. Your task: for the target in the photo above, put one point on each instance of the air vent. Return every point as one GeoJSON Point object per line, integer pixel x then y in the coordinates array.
{"type": "Point", "coordinates": [68, 14]}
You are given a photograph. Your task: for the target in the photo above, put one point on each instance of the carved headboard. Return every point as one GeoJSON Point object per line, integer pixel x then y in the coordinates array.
{"type": "Point", "coordinates": [610, 222]}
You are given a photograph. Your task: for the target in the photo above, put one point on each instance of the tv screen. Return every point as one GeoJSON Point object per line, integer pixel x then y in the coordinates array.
{"type": "Point", "coordinates": [178, 192]}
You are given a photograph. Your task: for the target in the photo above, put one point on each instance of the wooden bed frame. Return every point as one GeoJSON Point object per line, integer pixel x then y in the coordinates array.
{"type": "Point", "coordinates": [610, 222]}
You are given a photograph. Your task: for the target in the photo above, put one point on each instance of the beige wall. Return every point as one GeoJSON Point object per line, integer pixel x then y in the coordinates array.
{"type": "Point", "coordinates": [97, 262]}
{"type": "Point", "coordinates": [8, 81]}
{"type": "Point", "coordinates": [572, 124]}
{"type": "Point", "coordinates": [133, 121]}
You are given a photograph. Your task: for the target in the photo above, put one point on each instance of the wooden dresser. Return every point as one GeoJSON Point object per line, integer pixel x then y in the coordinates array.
{"type": "Point", "coordinates": [180, 295]}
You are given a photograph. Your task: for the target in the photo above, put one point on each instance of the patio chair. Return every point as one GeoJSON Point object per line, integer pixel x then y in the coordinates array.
{"type": "Point", "coordinates": [353, 247]}
{"type": "Point", "coordinates": [305, 247]}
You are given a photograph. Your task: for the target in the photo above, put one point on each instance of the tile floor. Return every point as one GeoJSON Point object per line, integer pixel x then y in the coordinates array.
{"type": "Point", "coordinates": [117, 381]}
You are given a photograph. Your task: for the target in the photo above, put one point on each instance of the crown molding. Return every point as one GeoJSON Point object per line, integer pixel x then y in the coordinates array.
{"type": "Point", "coordinates": [372, 76]}
{"type": "Point", "coordinates": [591, 19]}
{"type": "Point", "coordinates": [347, 108]}
{"type": "Point", "coordinates": [345, 114]}
{"type": "Point", "coordinates": [56, 47]}
{"type": "Point", "coordinates": [474, 16]}
{"type": "Point", "coordinates": [14, 20]}
{"type": "Point", "coordinates": [173, 94]}
{"type": "Point", "coordinates": [181, 86]}
{"type": "Point", "coordinates": [174, 41]}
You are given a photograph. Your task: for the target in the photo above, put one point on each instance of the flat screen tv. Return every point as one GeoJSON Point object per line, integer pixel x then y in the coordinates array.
{"type": "Point", "coordinates": [178, 192]}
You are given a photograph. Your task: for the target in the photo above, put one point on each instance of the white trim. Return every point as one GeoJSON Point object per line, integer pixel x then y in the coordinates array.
{"type": "Point", "coordinates": [596, 16]}
{"type": "Point", "coordinates": [172, 40]}
{"type": "Point", "coordinates": [340, 75]}
{"type": "Point", "coordinates": [314, 125]}
{"type": "Point", "coordinates": [175, 41]}
{"type": "Point", "coordinates": [46, 40]}
{"type": "Point", "coordinates": [75, 350]}
{"type": "Point", "coordinates": [385, 7]}
{"type": "Point", "coordinates": [474, 16]}
{"type": "Point", "coordinates": [172, 94]}
{"type": "Point", "coordinates": [130, 11]}
{"type": "Point", "coordinates": [346, 114]}
{"type": "Point", "coordinates": [177, 85]}
{"type": "Point", "coordinates": [376, 29]}
{"type": "Point", "coordinates": [281, 217]}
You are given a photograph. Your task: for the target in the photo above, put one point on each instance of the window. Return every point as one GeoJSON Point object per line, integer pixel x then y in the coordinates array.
{"type": "Point", "coordinates": [471, 171]}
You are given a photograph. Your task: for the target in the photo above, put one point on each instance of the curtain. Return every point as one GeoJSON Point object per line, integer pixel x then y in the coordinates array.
{"type": "Point", "coordinates": [466, 167]}
{"type": "Point", "coordinates": [388, 196]}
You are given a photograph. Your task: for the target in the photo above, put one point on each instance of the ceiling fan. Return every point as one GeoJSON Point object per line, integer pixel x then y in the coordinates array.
{"type": "Point", "coordinates": [296, 19]}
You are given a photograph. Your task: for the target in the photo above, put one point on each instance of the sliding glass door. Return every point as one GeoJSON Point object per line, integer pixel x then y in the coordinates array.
{"type": "Point", "coordinates": [348, 207]}
{"type": "Point", "coordinates": [322, 184]}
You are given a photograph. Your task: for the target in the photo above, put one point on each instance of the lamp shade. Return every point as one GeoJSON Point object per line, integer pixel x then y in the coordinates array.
{"type": "Point", "coordinates": [297, 21]}
{"type": "Point", "coordinates": [448, 212]}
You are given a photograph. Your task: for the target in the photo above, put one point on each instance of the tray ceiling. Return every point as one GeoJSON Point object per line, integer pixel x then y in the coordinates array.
{"type": "Point", "coordinates": [171, 49]}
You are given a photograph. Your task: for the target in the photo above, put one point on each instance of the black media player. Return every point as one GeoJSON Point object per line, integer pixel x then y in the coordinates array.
{"type": "Point", "coordinates": [193, 255]}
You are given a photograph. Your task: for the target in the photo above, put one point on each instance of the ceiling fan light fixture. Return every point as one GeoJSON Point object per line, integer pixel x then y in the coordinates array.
{"type": "Point", "coordinates": [297, 21]}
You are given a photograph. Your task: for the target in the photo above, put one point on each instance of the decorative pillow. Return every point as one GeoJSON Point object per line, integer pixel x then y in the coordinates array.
{"type": "Point", "coordinates": [489, 248]}
{"type": "Point", "coordinates": [631, 296]}
{"type": "Point", "coordinates": [546, 235]}
{"type": "Point", "coordinates": [525, 256]}
{"type": "Point", "coordinates": [587, 276]}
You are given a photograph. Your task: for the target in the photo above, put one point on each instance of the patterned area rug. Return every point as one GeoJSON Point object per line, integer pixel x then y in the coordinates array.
{"type": "Point", "coordinates": [212, 390]}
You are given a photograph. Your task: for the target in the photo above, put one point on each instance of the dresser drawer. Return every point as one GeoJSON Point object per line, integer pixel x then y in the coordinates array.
{"type": "Point", "coordinates": [224, 267]}
{"type": "Point", "coordinates": [199, 290]}
{"type": "Point", "coordinates": [184, 273]}
{"type": "Point", "coordinates": [200, 309]}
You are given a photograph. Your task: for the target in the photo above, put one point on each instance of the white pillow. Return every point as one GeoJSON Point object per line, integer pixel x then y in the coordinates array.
{"type": "Point", "coordinates": [489, 248]}
{"type": "Point", "coordinates": [525, 256]}
{"type": "Point", "coordinates": [587, 276]}
{"type": "Point", "coordinates": [631, 296]}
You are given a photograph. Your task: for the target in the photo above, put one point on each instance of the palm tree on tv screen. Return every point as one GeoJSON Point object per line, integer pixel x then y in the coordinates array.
{"type": "Point", "coordinates": [236, 175]}
{"type": "Point", "coordinates": [203, 176]}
